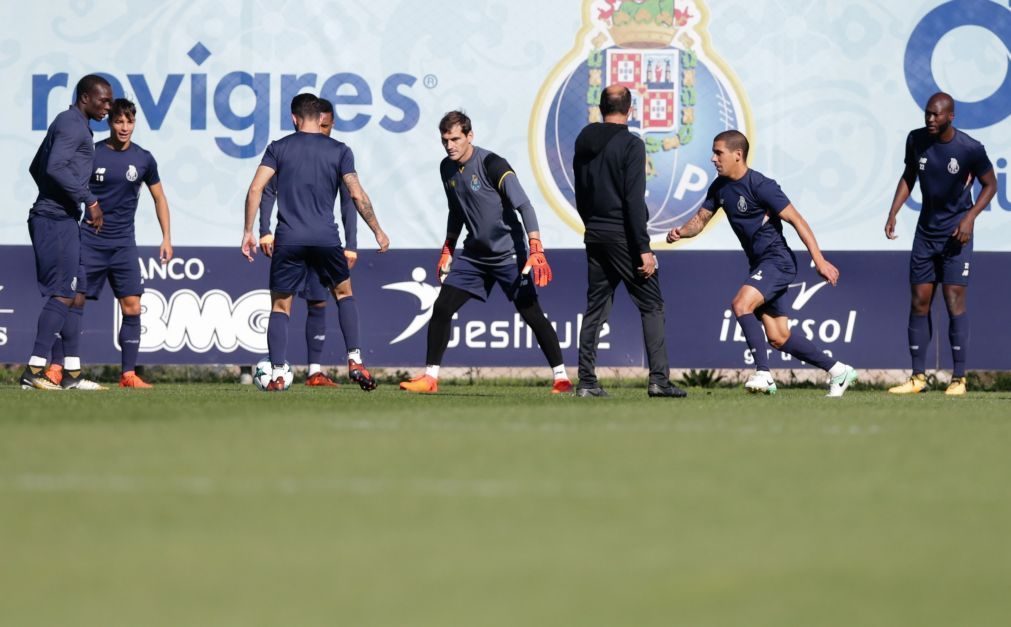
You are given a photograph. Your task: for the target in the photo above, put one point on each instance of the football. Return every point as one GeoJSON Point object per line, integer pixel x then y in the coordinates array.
{"type": "Point", "coordinates": [263, 371]}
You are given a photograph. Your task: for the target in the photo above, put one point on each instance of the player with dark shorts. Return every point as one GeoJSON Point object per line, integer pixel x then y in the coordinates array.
{"type": "Point", "coordinates": [756, 208]}
{"type": "Point", "coordinates": [947, 162]}
{"type": "Point", "coordinates": [484, 194]}
{"type": "Point", "coordinates": [313, 291]}
{"type": "Point", "coordinates": [61, 169]}
{"type": "Point", "coordinates": [110, 254]}
{"type": "Point", "coordinates": [309, 167]}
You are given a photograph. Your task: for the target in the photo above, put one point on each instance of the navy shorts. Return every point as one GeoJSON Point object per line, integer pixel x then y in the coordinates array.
{"type": "Point", "coordinates": [313, 288]}
{"type": "Point", "coordinates": [477, 278]}
{"type": "Point", "coordinates": [772, 277]}
{"type": "Point", "coordinates": [118, 265]}
{"type": "Point", "coordinates": [57, 246]}
{"type": "Point", "coordinates": [939, 261]}
{"type": "Point", "coordinates": [290, 264]}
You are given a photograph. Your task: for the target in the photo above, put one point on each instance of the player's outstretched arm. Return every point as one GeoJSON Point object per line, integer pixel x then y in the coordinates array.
{"type": "Point", "coordinates": [253, 197]}
{"type": "Point", "coordinates": [365, 210]}
{"type": "Point", "coordinates": [692, 227]}
{"type": "Point", "coordinates": [161, 210]}
{"type": "Point", "coordinates": [790, 215]}
{"type": "Point", "coordinates": [963, 232]}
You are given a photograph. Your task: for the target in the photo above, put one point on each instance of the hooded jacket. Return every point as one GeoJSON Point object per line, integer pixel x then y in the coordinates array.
{"type": "Point", "coordinates": [610, 175]}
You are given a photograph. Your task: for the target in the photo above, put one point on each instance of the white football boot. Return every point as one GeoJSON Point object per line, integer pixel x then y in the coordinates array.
{"type": "Point", "coordinates": [838, 383]}
{"type": "Point", "coordinates": [761, 381]}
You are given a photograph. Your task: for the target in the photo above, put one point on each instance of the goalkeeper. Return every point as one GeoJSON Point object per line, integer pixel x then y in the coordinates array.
{"type": "Point", "coordinates": [484, 194]}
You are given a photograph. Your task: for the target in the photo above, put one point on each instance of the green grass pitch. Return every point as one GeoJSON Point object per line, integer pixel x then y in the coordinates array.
{"type": "Point", "coordinates": [502, 506]}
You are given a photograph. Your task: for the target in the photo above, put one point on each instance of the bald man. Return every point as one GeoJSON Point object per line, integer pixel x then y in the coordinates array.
{"type": "Point", "coordinates": [947, 163]}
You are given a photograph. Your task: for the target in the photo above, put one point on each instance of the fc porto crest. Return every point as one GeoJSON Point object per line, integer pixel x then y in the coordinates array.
{"type": "Point", "coordinates": [682, 96]}
{"type": "Point", "coordinates": [131, 173]}
{"type": "Point", "coordinates": [475, 182]}
{"type": "Point", "coordinates": [953, 166]}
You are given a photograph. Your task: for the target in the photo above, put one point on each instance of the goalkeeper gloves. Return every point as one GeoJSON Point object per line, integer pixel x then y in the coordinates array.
{"type": "Point", "coordinates": [446, 259]}
{"type": "Point", "coordinates": [538, 263]}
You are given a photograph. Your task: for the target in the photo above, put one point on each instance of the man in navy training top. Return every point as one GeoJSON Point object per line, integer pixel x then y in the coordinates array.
{"type": "Point", "coordinates": [757, 208]}
{"type": "Point", "coordinates": [309, 167]}
{"type": "Point", "coordinates": [484, 194]}
{"type": "Point", "coordinates": [121, 167]}
{"type": "Point", "coordinates": [61, 169]}
{"type": "Point", "coordinates": [947, 162]}
{"type": "Point", "coordinates": [313, 291]}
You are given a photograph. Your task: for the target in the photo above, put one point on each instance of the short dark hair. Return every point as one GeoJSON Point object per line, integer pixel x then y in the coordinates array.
{"type": "Point", "coordinates": [88, 84]}
{"type": "Point", "coordinates": [455, 118]}
{"type": "Point", "coordinates": [614, 100]}
{"type": "Point", "coordinates": [305, 106]}
{"type": "Point", "coordinates": [325, 106]}
{"type": "Point", "coordinates": [735, 140]}
{"type": "Point", "coordinates": [122, 106]}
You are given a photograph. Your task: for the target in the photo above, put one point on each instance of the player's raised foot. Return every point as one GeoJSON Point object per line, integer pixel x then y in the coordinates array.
{"type": "Point", "coordinates": [54, 373]}
{"type": "Point", "coordinates": [422, 384]}
{"type": "Point", "coordinates": [562, 386]}
{"type": "Point", "coordinates": [131, 380]}
{"type": "Point", "coordinates": [360, 375]}
{"type": "Point", "coordinates": [837, 384]}
{"type": "Point", "coordinates": [320, 380]}
{"type": "Point", "coordinates": [916, 384]}
{"type": "Point", "coordinates": [655, 390]}
{"type": "Point", "coordinates": [957, 387]}
{"type": "Point", "coordinates": [71, 382]}
{"type": "Point", "coordinates": [761, 382]}
{"type": "Point", "coordinates": [35, 379]}
{"type": "Point", "coordinates": [277, 385]}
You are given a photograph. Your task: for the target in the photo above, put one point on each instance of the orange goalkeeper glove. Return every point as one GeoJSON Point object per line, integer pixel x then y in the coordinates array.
{"type": "Point", "coordinates": [538, 263]}
{"type": "Point", "coordinates": [446, 259]}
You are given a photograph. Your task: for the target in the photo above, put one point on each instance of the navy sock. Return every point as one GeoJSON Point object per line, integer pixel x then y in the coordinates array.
{"type": "Point", "coordinates": [805, 350]}
{"type": "Point", "coordinates": [51, 320]}
{"type": "Point", "coordinates": [315, 333]}
{"type": "Point", "coordinates": [129, 341]}
{"type": "Point", "coordinates": [958, 334]}
{"type": "Point", "coordinates": [755, 337]}
{"type": "Point", "coordinates": [347, 312]}
{"type": "Point", "coordinates": [58, 353]}
{"type": "Point", "coordinates": [277, 338]}
{"type": "Point", "coordinates": [919, 341]}
{"type": "Point", "coordinates": [71, 332]}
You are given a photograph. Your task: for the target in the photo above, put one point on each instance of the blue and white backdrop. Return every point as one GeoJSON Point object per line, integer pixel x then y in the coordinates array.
{"type": "Point", "coordinates": [825, 91]}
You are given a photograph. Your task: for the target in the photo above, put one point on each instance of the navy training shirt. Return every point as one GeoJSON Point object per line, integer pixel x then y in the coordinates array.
{"type": "Point", "coordinates": [485, 195]}
{"type": "Point", "coordinates": [946, 172]}
{"type": "Point", "coordinates": [116, 181]}
{"type": "Point", "coordinates": [349, 213]}
{"type": "Point", "coordinates": [62, 166]}
{"type": "Point", "coordinates": [309, 168]}
{"type": "Point", "coordinates": [752, 204]}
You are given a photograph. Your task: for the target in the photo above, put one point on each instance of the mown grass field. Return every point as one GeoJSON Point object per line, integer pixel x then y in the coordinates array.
{"type": "Point", "coordinates": [502, 506]}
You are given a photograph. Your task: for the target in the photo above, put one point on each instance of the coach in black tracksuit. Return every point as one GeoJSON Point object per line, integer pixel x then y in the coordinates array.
{"type": "Point", "coordinates": [610, 171]}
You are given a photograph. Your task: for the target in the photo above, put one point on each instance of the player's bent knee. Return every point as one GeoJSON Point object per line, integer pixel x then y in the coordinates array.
{"type": "Point", "coordinates": [130, 305]}
{"type": "Point", "coordinates": [741, 307]}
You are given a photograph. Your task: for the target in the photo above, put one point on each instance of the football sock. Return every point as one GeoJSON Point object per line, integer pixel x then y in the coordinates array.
{"type": "Point", "coordinates": [919, 341]}
{"type": "Point", "coordinates": [449, 301]}
{"type": "Point", "coordinates": [432, 371]}
{"type": "Point", "coordinates": [559, 372]}
{"type": "Point", "coordinates": [314, 368]}
{"type": "Point", "coordinates": [958, 335]}
{"type": "Point", "coordinates": [58, 353]}
{"type": "Point", "coordinates": [51, 320]}
{"type": "Point", "coordinates": [347, 314]}
{"type": "Point", "coordinates": [129, 341]}
{"type": "Point", "coordinates": [72, 365]}
{"type": "Point", "coordinates": [533, 315]}
{"type": "Point", "coordinates": [315, 333]}
{"type": "Point", "coordinates": [355, 356]}
{"type": "Point", "coordinates": [277, 338]}
{"type": "Point", "coordinates": [805, 350]}
{"type": "Point", "coordinates": [755, 336]}
{"type": "Point", "coordinates": [71, 335]}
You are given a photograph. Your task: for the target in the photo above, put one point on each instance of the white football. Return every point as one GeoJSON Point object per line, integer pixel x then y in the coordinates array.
{"type": "Point", "coordinates": [263, 373]}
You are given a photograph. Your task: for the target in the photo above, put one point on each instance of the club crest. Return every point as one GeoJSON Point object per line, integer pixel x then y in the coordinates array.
{"type": "Point", "coordinates": [682, 96]}
{"type": "Point", "coordinates": [953, 166]}
{"type": "Point", "coordinates": [131, 173]}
